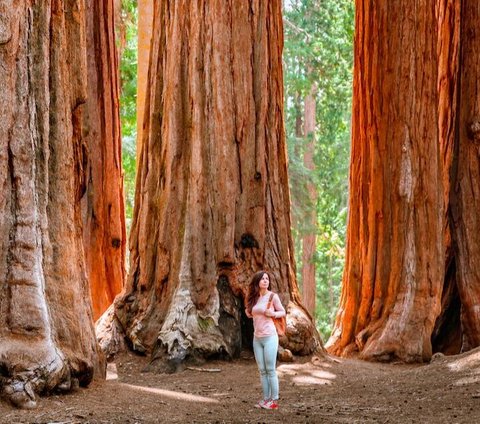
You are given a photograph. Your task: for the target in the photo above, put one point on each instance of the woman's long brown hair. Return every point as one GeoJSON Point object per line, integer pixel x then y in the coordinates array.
{"type": "Point", "coordinates": [254, 289]}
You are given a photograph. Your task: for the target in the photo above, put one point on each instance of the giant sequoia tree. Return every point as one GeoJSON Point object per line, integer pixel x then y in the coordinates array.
{"type": "Point", "coordinates": [103, 202]}
{"type": "Point", "coordinates": [46, 329]}
{"type": "Point", "coordinates": [411, 278]}
{"type": "Point", "coordinates": [212, 201]}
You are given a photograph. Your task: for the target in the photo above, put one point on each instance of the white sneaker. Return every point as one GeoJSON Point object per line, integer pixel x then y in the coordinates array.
{"type": "Point", "coordinates": [262, 403]}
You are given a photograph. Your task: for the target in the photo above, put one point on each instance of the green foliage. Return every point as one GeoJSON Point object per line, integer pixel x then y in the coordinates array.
{"type": "Point", "coordinates": [319, 50]}
{"type": "Point", "coordinates": [127, 46]}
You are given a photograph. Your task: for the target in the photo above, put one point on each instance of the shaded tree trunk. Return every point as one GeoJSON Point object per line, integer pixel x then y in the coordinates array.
{"type": "Point", "coordinates": [466, 178]}
{"type": "Point", "coordinates": [309, 240]}
{"type": "Point", "coordinates": [212, 200]}
{"type": "Point", "coordinates": [103, 203]}
{"type": "Point", "coordinates": [46, 333]}
{"type": "Point", "coordinates": [395, 244]}
{"type": "Point", "coordinates": [446, 335]}
{"type": "Point", "coordinates": [145, 24]}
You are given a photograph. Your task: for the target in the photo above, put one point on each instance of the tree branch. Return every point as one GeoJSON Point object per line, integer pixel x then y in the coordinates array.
{"type": "Point", "coordinates": [297, 29]}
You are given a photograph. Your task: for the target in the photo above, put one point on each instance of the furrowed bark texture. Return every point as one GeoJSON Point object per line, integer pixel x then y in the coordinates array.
{"type": "Point", "coordinates": [395, 244]}
{"type": "Point", "coordinates": [212, 200]}
{"type": "Point", "coordinates": [466, 175]}
{"type": "Point", "coordinates": [103, 203]}
{"type": "Point", "coordinates": [411, 280]}
{"type": "Point", "coordinates": [446, 336]}
{"type": "Point", "coordinates": [46, 330]}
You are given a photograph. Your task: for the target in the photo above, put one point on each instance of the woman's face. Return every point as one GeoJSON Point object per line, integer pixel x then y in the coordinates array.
{"type": "Point", "coordinates": [264, 282]}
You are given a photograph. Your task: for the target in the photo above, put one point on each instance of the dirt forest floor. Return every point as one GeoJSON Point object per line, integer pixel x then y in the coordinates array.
{"type": "Point", "coordinates": [312, 391]}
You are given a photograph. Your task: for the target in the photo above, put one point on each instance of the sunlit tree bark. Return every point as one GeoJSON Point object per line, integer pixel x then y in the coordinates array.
{"type": "Point", "coordinates": [46, 329]}
{"type": "Point", "coordinates": [395, 245]}
{"type": "Point", "coordinates": [410, 284]}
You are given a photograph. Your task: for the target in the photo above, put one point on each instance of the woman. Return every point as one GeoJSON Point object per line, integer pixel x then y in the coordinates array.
{"type": "Point", "coordinates": [265, 339]}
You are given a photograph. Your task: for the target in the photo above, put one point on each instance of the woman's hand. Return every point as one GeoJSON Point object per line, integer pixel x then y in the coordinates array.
{"type": "Point", "coordinates": [269, 313]}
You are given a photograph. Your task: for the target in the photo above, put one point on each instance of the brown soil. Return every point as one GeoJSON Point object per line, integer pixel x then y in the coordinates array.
{"type": "Point", "coordinates": [312, 391]}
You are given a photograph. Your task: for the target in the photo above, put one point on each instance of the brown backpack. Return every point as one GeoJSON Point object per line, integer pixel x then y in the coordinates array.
{"type": "Point", "coordinates": [280, 323]}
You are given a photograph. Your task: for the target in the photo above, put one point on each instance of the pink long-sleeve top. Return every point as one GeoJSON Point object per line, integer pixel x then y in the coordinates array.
{"type": "Point", "coordinates": [263, 326]}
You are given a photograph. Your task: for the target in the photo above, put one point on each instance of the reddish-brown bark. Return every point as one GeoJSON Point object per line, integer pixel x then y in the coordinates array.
{"type": "Point", "coordinates": [103, 203]}
{"type": "Point", "coordinates": [395, 244]}
{"type": "Point", "coordinates": [413, 234]}
{"type": "Point", "coordinates": [446, 336]}
{"type": "Point", "coordinates": [212, 200]}
{"type": "Point", "coordinates": [47, 339]}
{"type": "Point", "coordinates": [466, 176]}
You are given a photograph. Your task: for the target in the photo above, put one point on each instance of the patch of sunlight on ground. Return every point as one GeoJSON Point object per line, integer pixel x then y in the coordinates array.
{"type": "Point", "coordinates": [467, 380]}
{"type": "Point", "coordinates": [171, 394]}
{"type": "Point", "coordinates": [306, 377]}
{"type": "Point", "coordinates": [113, 375]}
{"type": "Point", "coordinates": [111, 371]}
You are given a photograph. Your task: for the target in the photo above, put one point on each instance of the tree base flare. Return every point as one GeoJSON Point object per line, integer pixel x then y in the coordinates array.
{"type": "Point", "coordinates": [110, 334]}
{"type": "Point", "coordinates": [186, 338]}
{"type": "Point", "coordinates": [38, 369]}
{"type": "Point", "coordinates": [301, 336]}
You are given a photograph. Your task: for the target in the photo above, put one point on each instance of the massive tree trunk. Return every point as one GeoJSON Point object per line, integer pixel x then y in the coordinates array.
{"type": "Point", "coordinates": [411, 280]}
{"type": "Point", "coordinates": [103, 203]}
{"type": "Point", "coordinates": [145, 23]}
{"type": "Point", "coordinates": [46, 332]}
{"type": "Point", "coordinates": [212, 200]}
{"type": "Point", "coordinates": [309, 240]}
{"type": "Point", "coordinates": [395, 244]}
{"type": "Point", "coordinates": [466, 178]}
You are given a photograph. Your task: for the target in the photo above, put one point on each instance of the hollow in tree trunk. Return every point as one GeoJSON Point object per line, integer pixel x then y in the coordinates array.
{"type": "Point", "coordinates": [46, 329]}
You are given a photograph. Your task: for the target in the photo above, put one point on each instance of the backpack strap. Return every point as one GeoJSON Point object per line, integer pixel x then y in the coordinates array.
{"type": "Point", "coordinates": [270, 299]}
